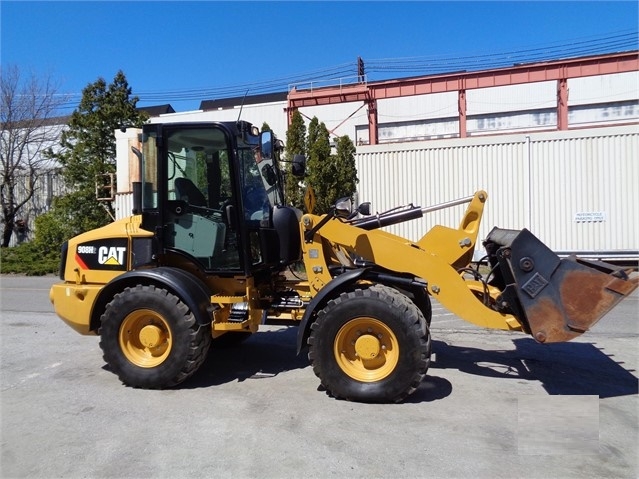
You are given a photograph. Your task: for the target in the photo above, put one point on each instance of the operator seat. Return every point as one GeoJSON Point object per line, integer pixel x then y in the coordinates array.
{"type": "Point", "coordinates": [197, 234]}
{"type": "Point", "coordinates": [187, 191]}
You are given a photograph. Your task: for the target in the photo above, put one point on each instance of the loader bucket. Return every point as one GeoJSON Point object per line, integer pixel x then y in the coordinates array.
{"type": "Point", "coordinates": [554, 299]}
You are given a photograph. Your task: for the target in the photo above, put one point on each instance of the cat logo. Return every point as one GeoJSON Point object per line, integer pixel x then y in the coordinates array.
{"type": "Point", "coordinates": [104, 255]}
{"type": "Point", "coordinates": [112, 256]}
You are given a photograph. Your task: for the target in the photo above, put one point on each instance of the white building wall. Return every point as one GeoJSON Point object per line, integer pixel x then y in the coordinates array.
{"type": "Point", "coordinates": [603, 99]}
{"type": "Point", "coordinates": [511, 98]}
{"type": "Point", "coordinates": [603, 88]}
{"type": "Point", "coordinates": [414, 118]}
{"type": "Point", "coordinates": [340, 119]}
{"type": "Point", "coordinates": [418, 107]}
{"type": "Point", "coordinates": [509, 108]}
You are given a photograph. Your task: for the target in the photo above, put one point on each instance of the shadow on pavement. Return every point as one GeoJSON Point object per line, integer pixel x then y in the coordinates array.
{"type": "Point", "coordinates": [264, 354]}
{"type": "Point", "coordinates": [562, 368]}
{"type": "Point", "coordinates": [268, 353]}
{"type": "Point", "coordinates": [432, 388]}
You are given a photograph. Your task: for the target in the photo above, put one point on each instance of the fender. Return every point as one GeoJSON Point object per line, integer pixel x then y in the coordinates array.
{"type": "Point", "coordinates": [190, 289]}
{"type": "Point", "coordinates": [321, 298]}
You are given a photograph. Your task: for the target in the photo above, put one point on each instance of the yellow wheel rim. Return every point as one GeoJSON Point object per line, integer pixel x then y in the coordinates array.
{"type": "Point", "coordinates": [366, 349]}
{"type": "Point", "coordinates": [145, 338]}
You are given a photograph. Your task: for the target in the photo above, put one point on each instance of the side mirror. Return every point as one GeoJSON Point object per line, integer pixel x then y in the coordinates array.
{"type": "Point", "coordinates": [299, 165]}
{"type": "Point", "coordinates": [343, 207]}
{"type": "Point", "coordinates": [266, 144]}
{"type": "Point", "coordinates": [363, 209]}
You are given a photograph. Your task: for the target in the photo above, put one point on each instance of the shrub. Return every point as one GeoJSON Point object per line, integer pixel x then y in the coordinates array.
{"type": "Point", "coordinates": [40, 256]}
{"type": "Point", "coordinates": [28, 258]}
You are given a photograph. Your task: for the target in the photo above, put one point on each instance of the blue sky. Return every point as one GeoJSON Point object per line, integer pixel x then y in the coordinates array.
{"type": "Point", "coordinates": [185, 52]}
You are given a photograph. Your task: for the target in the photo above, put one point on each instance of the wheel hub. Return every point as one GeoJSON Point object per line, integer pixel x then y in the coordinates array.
{"type": "Point", "coordinates": [151, 336]}
{"type": "Point", "coordinates": [367, 347]}
{"type": "Point", "coordinates": [145, 338]}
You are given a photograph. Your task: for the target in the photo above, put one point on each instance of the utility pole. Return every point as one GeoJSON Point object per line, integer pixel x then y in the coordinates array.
{"type": "Point", "coordinates": [360, 70]}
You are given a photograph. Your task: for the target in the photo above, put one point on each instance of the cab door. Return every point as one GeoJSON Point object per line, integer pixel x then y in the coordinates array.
{"type": "Point", "coordinates": [198, 187]}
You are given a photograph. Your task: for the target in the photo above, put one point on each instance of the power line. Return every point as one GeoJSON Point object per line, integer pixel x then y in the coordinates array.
{"type": "Point", "coordinates": [625, 41]}
{"type": "Point", "coordinates": [384, 68]}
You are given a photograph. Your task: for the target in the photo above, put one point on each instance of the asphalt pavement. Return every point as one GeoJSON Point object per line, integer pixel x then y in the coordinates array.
{"type": "Point", "coordinates": [494, 405]}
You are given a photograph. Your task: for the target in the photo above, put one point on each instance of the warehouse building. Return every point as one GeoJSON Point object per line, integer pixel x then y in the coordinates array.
{"type": "Point", "coordinates": [557, 95]}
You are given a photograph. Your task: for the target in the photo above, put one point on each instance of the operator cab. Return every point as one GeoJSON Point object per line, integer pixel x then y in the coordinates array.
{"type": "Point", "coordinates": [210, 192]}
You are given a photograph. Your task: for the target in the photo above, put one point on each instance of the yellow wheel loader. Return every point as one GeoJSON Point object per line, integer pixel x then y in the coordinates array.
{"type": "Point", "coordinates": [206, 257]}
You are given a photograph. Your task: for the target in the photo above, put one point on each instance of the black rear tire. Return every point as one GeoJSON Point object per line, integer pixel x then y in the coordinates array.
{"type": "Point", "coordinates": [370, 345]}
{"type": "Point", "coordinates": [151, 339]}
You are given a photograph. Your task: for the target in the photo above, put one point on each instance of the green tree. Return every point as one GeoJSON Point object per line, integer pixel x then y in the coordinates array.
{"type": "Point", "coordinates": [87, 151]}
{"type": "Point", "coordinates": [330, 176]}
{"type": "Point", "coordinates": [295, 145]}
{"type": "Point", "coordinates": [345, 178]}
{"type": "Point", "coordinates": [321, 173]}
{"type": "Point", "coordinates": [313, 137]}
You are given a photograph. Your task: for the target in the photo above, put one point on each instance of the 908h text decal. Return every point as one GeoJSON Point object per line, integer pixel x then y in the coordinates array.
{"type": "Point", "coordinates": [103, 254]}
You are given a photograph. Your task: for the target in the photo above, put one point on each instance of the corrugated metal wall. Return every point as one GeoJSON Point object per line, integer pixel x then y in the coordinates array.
{"type": "Point", "coordinates": [593, 176]}
{"type": "Point", "coordinates": [123, 205]}
{"type": "Point", "coordinates": [573, 189]}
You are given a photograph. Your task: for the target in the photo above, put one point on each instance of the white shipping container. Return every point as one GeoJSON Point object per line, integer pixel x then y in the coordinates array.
{"type": "Point", "coordinates": [574, 190]}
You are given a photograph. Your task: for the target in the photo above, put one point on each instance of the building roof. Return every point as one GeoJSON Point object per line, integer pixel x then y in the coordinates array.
{"type": "Point", "coordinates": [154, 110]}
{"type": "Point", "coordinates": [157, 110]}
{"type": "Point", "coordinates": [228, 103]}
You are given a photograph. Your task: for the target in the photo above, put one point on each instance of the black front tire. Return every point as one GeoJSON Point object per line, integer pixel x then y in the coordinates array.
{"type": "Point", "coordinates": [370, 345]}
{"type": "Point", "coordinates": [150, 338]}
